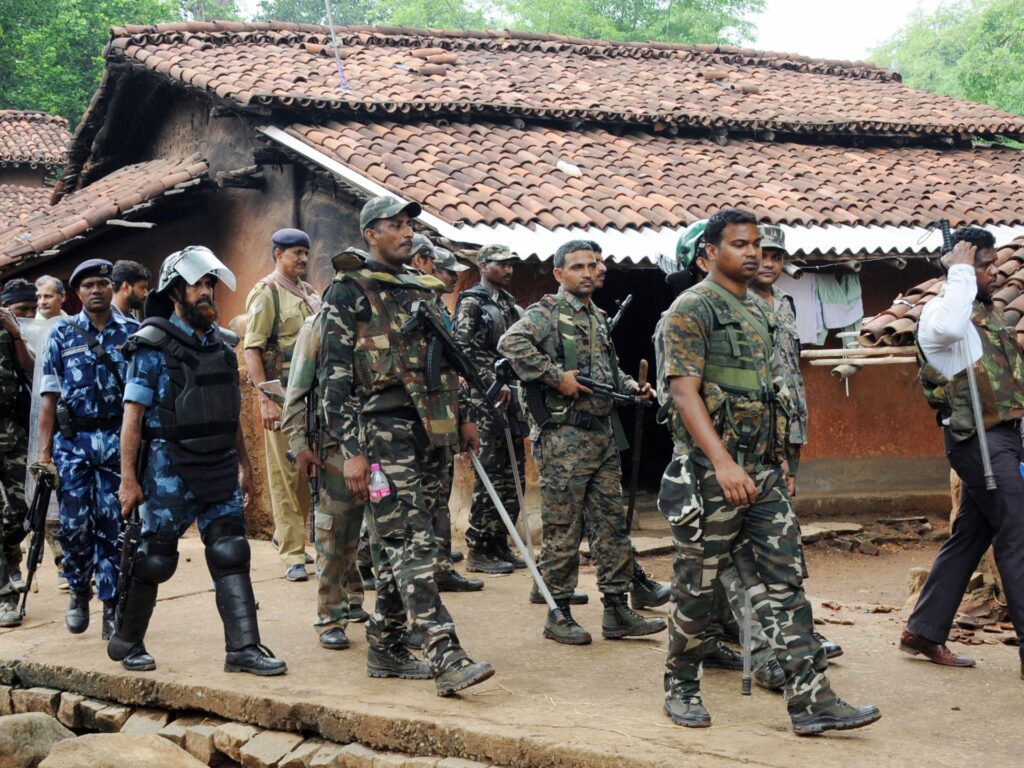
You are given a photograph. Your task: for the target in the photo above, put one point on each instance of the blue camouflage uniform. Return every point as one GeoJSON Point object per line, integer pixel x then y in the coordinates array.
{"type": "Point", "coordinates": [88, 464]}
{"type": "Point", "coordinates": [170, 506]}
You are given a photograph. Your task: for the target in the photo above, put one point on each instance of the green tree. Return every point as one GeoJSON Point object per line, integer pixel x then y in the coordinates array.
{"type": "Point", "coordinates": [51, 54]}
{"type": "Point", "coordinates": [969, 49]}
{"type": "Point", "coordinates": [343, 12]}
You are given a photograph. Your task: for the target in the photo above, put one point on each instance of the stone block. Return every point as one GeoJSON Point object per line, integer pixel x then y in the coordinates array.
{"type": "Point", "coordinates": [328, 756]}
{"type": "Point", "coordinates": [398, 760]}
{"type": "Point", "coordinates": [174, 731]}
{"type": "Point", "coordinates": [229, 738]}
{"type": "Point", "coordinates": [145, 721]}
{"type": "Point", "coordinates": [269, 748]}
{"type": "Point", "coordinates": [458, 762]}
{"type": "Point", "coordinates": [199, 740]}
{"type": "Point", "coordinates": [357, 756]}
{"type": "Point", "coordinates": [111, 719]}
{"type": "Point", "coordinates": [6, 705]}
{"type": "Point", "coordinates": [89, 709]}
{"type": "Point", "coordinates": [302, 755]}
{"type": "Point", "coordinates": [69, 712]}
{"type": "Point", "coordinates": [45, 700]}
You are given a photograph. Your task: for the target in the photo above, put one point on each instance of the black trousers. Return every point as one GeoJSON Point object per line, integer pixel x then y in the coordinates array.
{"type": "Point", "coordinates": [986, 518]}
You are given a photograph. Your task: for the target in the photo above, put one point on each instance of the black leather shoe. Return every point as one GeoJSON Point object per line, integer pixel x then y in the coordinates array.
{"type": "Point", "coordinates": [688, 711]}
{"type": "Point", "coordinates": [138, 660]}
{"type": "Point", "coordinates": [578, 598]}
{"type": "Point", "coordinates": [109, 608]}
{"type": "Point", "coordinates": [256, 660]}
{"type": "Point", "coordinates": [721, 656]}
{"type": "Point", "coordinates": [357, 614]}
{"type": "Point", "coordinates": [334, 639]}
{"type": "Point", "coordinates": [832, 650]}
{"type": "Point", "coordinates": [453, 581]}
{"type": "Point", "coordinates": [77, 615]}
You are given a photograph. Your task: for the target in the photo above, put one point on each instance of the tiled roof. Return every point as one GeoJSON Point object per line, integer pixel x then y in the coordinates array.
{"type": "Point", "coordinates": [108, 198]}
{"type": "Point", "coordinates": [18, 203]}
{"type": "Point", "coordinates": [896, 325]}
{"type": "Point", "coordinates": [32, 137]}
{"type": "Point", "coordinates": [486, 173]}
{"type": "Point", "coordinates": [407, 71]}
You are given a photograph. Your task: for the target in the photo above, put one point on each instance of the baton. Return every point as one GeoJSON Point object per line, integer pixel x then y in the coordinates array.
{"type": "Point", "coordinates": [556, 612]}
{"type": "Point", "coordinates": [747, 632]}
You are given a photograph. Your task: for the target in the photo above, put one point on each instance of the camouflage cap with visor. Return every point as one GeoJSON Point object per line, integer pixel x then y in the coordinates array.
{"type": "Point", "coordinates": [772, 237]}
{"type": "Point", "coordinates": [494, 253]}
{"type": "Point", "coordinates": [386, 207]}
{"type": "Point", "coordinates": [445, 259]}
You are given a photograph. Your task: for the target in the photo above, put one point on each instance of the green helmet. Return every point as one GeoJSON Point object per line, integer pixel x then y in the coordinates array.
{"type": "Point", "coordinates": [690, 244]}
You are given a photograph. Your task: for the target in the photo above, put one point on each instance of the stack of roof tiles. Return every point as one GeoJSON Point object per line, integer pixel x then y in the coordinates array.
{"type": "Point", "coordinates": [32, 138]}
{"type": "Point", "coordinates": [896, 326]}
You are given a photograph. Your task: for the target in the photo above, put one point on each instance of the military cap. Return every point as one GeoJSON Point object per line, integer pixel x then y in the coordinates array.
{"type": "Point", "coordinates": [350, 258]}
{"type": "Point", "coordinates": [690, 243]}
{"type": "Point", "coordinates": [385, 207]}
{"type": "Point", "coordinates": [772, 236]}
{"type": "Point", "coordinates": [422, 244]}
{"type": "Point", "coordinates": [90, 268]}
{"type": "Point", "coordinates": [493, 253]}
{"type": "Point", "coordinates": [289, 238]}
{"type": "Point", "coordinates": [445, 259]}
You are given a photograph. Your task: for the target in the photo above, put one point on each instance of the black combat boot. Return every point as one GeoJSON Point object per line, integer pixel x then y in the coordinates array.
{"type": "Point", "coordinates": [77, 615]}
{"type": "Point", "coordinates": [462, 674]}
{"type": "Point", "coordinates": [485, 561]}
{"type": "Point", "coordinates": [108, 619]}
{"type": "Point", "coordinates": [646, 592]}
{"type": "Point", "coordinates": [578, 598]}
{"type": "Point", "coordinates": [137, 659]}
{"type": "Point", "coordinates": [770, 676]}
{"type": "Point", "coordinates": [334, 639]}
{"type": "Point", "coordinates": [125, 644]}
{"type": "Point", "coordinates": [833, 715]}
{"type": "Point", "coordinates": [453, 581]}
{"type": "Point", "coordinates": [237, 607]}
{"type": "Point", "coordinates": [688, 711]}
{"type": "Point", "coordinates": [504, 552]}
{"type": "Point", "coordinates": [619, 620]}
{"type": "Point", "coordinates": [396, 661]}
{"type": "Point", "coordinates": [718, 655]}
{"type": "Point", "coordinates": [569, 632]}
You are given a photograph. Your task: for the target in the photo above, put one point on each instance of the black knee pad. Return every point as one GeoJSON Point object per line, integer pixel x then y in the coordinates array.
{"type": "Point", "coordinates": [227, 549]}
{"type": "Point", "coordinates": [156, 561]}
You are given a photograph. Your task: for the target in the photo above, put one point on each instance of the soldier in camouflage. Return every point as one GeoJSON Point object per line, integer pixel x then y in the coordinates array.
{"type": "Point", "coordinates": [577, 449]}
{"type": "Point", "coordinates": [84, 371]}
{"type": "Point", "coordinates": [338, 515]}
{"type": "Point", "coordinates": [14, 358]}
{"type": "Point", "coordinates": [960, 324]}
{"type": "Point", "coordinates": [384, 406]}
{"type": "Point", "coordinates": [483, 314]}
{"type": "Point", "coordinates": [724, 490]}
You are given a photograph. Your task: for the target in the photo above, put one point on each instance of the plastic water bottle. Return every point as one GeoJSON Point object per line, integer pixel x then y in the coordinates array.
{"type": "Point", "coordinates": [379, 486]}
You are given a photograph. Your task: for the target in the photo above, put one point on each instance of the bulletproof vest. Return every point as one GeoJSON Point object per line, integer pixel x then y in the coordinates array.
{"type": "Point", "coordinates": [493, 317]}
{"type": "Point", "coordinates": [386, 355]}
{"type": "Point", "coordinates": [200, 410]}
{"type": "Point", "coordinates": [999, 373]}
{"type": "Point", "coordinates": [737, 385]}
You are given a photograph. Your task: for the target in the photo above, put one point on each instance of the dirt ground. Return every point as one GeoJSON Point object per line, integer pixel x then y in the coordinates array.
{"type": "Point", "coordinates": [548, 705]}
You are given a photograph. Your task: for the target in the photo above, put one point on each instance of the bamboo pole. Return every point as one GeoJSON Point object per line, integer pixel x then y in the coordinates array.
{"type": "Point", "coordinates": [855, 352]}
{"type": "Point", "coordinates": [866, 361]}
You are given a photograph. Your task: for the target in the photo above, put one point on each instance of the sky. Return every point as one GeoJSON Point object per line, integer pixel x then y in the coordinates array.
{"type": "Point", "coordinates": [832, 29]}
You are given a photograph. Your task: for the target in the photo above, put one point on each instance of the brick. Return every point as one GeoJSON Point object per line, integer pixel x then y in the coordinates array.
{"type": "Point", "coordinates": [89, 709]}
{"type": "Point", "coordinates": [328, 756]}
{"type": "Point", "coordinates": [69, 712]}
{"type": "Point", "coordinates": [145, 721]}
{"type": "Point", "coordinates": [199, 740]}
{"type": "Point", "coordinates": [356, 756]}
{"type": "Point", "coordinates": [229, 738]}
{"type": "Point", "coordinates": [176, 729]}
{"type": "Point", "coordinates": [267, 749]}
{"type": "Point", "coordinates": [112, 719]}
{"type": "Point", "coordinates": [46, 700]}
{"type": "Point", "coordinates": [302, 755]}
{"type": "Point", "coordinates": [6, 705]}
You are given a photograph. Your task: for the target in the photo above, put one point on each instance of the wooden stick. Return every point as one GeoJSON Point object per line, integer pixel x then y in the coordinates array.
{"type": "Point", "coordinates": [867, 361]}
{"type": "Point", "coordinates": [812, 354]}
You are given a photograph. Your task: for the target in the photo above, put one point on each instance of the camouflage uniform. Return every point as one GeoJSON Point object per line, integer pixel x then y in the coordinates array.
{"type": "Point", "coordinates": [705, 336]}
{"type": "Point", "coordinates": [481, 317]}
{"type": "Point", "coordinates": [371, 366]}
{"type": "Point", "coordinates": [578, 461]}
{"type": "Point", "coordinates": [13, 452]}
{"type": "Point", "coordinates": [88, 463]}
{"type": "Point", "coordinates": [337, 512]}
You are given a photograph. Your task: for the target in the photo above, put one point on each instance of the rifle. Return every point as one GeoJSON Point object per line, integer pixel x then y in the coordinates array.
{"type": "Point", "coordinates": [536, 403]}
{"type": "Point", "coordinates": [638, 433]}
{"type": "Point", "coordinates": [129, 540]}
{"type": "Point", "coordinates": [36, 524]}
{"type": "Point", "coordinates": [972, 382]}
{"type": "Point", "coordinates": [441, 345]}
{"type": "Point", "coordinates": [621, 307]}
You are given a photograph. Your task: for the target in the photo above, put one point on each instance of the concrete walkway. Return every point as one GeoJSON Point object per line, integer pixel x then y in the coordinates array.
{"type": "Point", "coordinates": [548, 705]}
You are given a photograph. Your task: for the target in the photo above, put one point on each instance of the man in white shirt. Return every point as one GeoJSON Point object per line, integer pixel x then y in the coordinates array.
{"type": "Point", "coordinates": [962, 323]}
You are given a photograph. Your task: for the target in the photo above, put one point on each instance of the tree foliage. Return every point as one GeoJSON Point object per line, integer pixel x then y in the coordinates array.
{"type": "Point", "coordinates": [970, 49]}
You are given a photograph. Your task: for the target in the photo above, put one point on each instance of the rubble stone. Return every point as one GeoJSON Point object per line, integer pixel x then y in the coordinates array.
{"type": "Point", "coordinates": [145, 721]}
{"type": "Point", "coordinates": [458, 762]}
{"type": "Point", "coordinates": [302, 755]}
{"type": "Point", "coordinates": [89, 709]}
{"type": "Point", "coordinates": [6, 706]}
{"type": "Point", "coordinates": [26, 738]}
{"type": "Point", "coordinates": [268, 748]}
{"type": "Point", "coordinates": [107, 750]}
{"type": "Point", "coordinates": [328, 756]}
{"type": "Point", "coordinates": [356, 756]}
{"type": "Point", "coordinates": [112, 719]}
{"type": "Point", "coordinates": [867, 548]}
{"type": "Point", "coordinates": [229, 738]}
{"type": "Point", "coordinates": [199, 740]}
{"type": "Point", "coordinates": [69, 710]}
{"type": "Point", "coordinates": [45, 700]}
{"type": "Point", "coordinates": [175, 731]}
